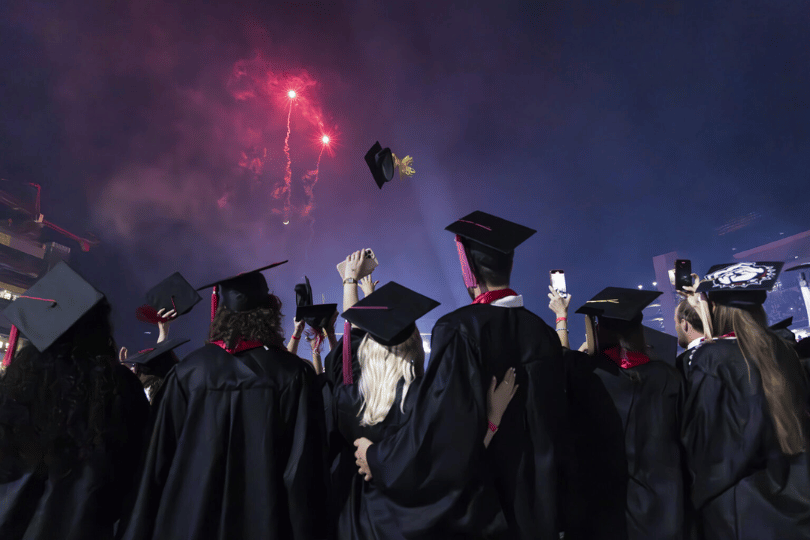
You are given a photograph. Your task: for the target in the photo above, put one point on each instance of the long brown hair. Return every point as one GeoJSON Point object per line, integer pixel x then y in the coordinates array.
{"type": "Point", "coordinates": [66, 393]}
{"type": "Point", "coordinates": [782, 382]}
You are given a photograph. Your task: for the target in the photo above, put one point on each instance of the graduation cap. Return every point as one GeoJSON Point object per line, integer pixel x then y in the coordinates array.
{"type": "Point", "coordinates": [619, 303]}
{"type": "Point", "coordinates": [740, 284]}
{"type": "Point", "coordinates": [802, 266]}
{"type": "Point", "coordinates": [242, 292]}
{"type": "Point", "coordinates": [390, 313]}
{"type": "Point", "coordinates": [50, 308]}
{"type": "Point", "coordinates": [315, 315]}
{"type": "Point", "coordinates": [491, 241]}
{"type": "Point", "coordinates": [383, 163]}
{"type": "Point", "coordinates": [149, 355]}
{"type": "Point", "coordinates": [174, 292]}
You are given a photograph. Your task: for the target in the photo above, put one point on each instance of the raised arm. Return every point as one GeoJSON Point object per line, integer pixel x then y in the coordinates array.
{"type": "Point", "coordinates": [295, 339]}
{"type": "Point", "coordinates": [350, 278]}
{"type": "Point", "coordinates": [166, 317]}
{"type": "Point", "coordinates": [559, 305]}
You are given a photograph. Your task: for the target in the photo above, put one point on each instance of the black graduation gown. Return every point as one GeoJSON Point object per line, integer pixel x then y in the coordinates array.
{"type": "Point", "coordinates": [236, 451]}
{"type": "Point", "coordinates": [626, 472]}
{"type": "Point", "coordinates": [743, 486]}
{"type": "Point", "coordinates": [361, 509]}
{"type": "Point", "coordinates": [76, 499]}
{"type": "Point", "coordinates": [437, 463]}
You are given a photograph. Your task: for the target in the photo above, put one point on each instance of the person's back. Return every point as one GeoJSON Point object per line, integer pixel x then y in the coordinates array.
{"type": "Point", "coordinates": [759, 492]}
{"type": "Point", "coordinates": [72, 419]}
{"type": "Point", "coordinates": [524, 458]}
{"type": "Point", "coordinates": [468, 347]}
{"type": "Point", "coordinates": [746, 425]}
{"type": "Point", "coordinates": [626, 467]}
{"type": "Point", "coordinates": [627, 479]}
{"type": "Point", "coordinates": [237, 447]}
{"type": "Point", "coordinates": [244, 455]}
{"type": "Point", "coordinates": [373, 395]}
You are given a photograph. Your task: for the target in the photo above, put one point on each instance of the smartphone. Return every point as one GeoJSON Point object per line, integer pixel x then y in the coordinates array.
{"type": "Point", "coordinates": [558, 282]}
{"type": "Point", "coordinates": [368, 265]}
{"type": "Point", "coordinates": [683, 274]}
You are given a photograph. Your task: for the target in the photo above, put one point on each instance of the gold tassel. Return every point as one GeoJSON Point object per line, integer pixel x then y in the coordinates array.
{"type": "Point", "coordinates": [404, 165]}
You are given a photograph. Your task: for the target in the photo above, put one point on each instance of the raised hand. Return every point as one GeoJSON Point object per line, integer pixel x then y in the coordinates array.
{"type": "Point", "coordinates": [368, 285]}
{"type": "Point", "coordinates": [353, 264]}
{"type": "Point", "coordinates": [558, 303]}
{"type": "Point", "coordinates": [166, 317]}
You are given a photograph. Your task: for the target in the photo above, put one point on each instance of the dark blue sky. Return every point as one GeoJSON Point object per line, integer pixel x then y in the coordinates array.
{"type": "Point", "coordinates": [619, 130]}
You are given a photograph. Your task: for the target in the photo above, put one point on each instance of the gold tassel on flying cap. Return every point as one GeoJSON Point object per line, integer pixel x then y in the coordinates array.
{"type": "Point", "coordinates": [404, 165]}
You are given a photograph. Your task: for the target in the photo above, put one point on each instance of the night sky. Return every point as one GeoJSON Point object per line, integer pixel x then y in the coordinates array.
{"type": "Point", "coordinates": [619, 130]}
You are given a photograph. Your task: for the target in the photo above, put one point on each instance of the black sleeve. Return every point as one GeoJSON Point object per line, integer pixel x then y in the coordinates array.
{"type": "Point", "coordinates": [719, 434]}
{"type": "Point", "coordinates": [138, 520]}
{"type": "Point", "coordinates": [130, 415]}
{"type": "Point", "coordinates": [304, 474]}
{"type": "Point", "coordinates": [432, 468]}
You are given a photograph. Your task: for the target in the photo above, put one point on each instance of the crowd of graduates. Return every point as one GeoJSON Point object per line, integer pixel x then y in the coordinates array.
{"type": "Point", "coordinates": [505, 431]}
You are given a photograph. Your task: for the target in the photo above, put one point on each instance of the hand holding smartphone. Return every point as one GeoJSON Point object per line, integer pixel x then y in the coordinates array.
{"type": "Point", "coordinates": [683, 274]}
{"type": "Point", "coordinates": [366, 267]}
{"type": "Point", "coordinates": [558, 282]}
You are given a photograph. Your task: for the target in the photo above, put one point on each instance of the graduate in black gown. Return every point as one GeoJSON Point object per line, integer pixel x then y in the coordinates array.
{"type": "Point", "coordinates": [746, 418]}
{"type": "Point", "coordinates": [374, 400]}
{"type": "Point", "coordinates": [72, 419]}
{"type": "Point", "coordinates": [627, 470]}
{"type": "Point", "coordinates": [437, 463]}
{"type": "Point", "coordinates": [237, 448]}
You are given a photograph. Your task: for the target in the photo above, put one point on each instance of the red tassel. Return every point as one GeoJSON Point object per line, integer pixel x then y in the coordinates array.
{"type": "Point", "coordinates": [347, 353]}
{"type": "Point", "coordinates": [214, 302]}
{"type": "Point", "coordinates": [466, 271]}
{"type": "Point", "coordinates": [12, 344]}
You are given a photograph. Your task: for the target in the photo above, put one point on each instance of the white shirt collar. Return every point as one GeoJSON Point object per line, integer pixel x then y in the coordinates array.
{"type": "Point", "coordinates": [694, 343]}
{"type": "Point", "coordinates": [509, 301]}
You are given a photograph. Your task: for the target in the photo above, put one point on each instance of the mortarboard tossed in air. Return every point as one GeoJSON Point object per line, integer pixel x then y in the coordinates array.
{"type": "Point", "coordinates": [150, 355]}
{"type": "Point", "coordinates": [174, 292]}
{"type": "Point", "coordinates": [383, 164]}
{"type": "Point", "coordinates": [315, 315]}
{"type": "Point", "coordinates": [50, 308]}
{"type": "Point", "coordinates": [389, 315]}
{"type": "Point", "coordinates": [488, 239]}
{"type": "Point", "coordinates": [619, 304]}
{"type": "Point", "coordinates": [242, 292]}
{"type": "Point", "coordinates": [740, 284]}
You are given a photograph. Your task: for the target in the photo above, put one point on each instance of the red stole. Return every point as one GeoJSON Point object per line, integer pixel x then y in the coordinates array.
{"type": "Point", "coordinates": [626, 359]}
{"type": "Point", "coordinates": [490, 296]}
{"type": "Point", "coordinates": [242, 345]}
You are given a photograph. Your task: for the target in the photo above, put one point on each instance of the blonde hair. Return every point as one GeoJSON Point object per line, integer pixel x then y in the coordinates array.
{"type": "Point", "coordinates": [381, 368]}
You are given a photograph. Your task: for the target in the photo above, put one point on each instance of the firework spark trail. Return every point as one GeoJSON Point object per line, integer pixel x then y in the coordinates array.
{"type": "Point", "coordinates": [288, 171]}
{"type": "Point", "coordinates": [309, 181]}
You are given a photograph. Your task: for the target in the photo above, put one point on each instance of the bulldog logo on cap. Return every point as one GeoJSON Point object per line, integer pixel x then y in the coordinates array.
{"type": "Point", "coordinates": [742, 275]}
